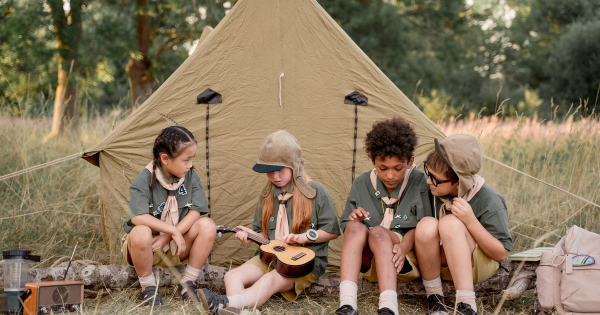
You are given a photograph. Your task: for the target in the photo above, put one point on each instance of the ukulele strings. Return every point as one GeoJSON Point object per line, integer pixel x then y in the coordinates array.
{"type": "Point", "coordinates": [288, 248]}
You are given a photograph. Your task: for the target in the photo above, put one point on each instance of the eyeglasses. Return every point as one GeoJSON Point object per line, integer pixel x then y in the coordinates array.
{"type": "Point", "coordinates": [434, 180]}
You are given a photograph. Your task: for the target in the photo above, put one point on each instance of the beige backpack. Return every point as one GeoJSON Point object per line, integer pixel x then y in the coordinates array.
{"type": "Point", "coordinates": [568, 278]}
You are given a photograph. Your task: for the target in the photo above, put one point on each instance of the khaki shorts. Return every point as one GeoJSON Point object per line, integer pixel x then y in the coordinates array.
{"type": "Point", "coordinates": [483, 267]}
{"type": "Point", "coordinates": [160, 258]}
{"type": "Point", "coordinates": [299, 283]}
{"type": "Point", "coordinates": [410, 258]}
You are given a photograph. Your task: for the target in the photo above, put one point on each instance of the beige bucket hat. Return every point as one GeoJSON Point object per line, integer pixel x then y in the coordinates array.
{"type": "Point", "coordinates": [278, 150]}
{"type": "Point", "coordinates": [462, 152]}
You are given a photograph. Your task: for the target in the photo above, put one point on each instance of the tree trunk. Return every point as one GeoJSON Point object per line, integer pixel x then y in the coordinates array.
{"type": "Point", "coordinates": [67, 27]}
{"type": "Point", "coordinates": [138, 68]}
{"type": "Point", "coordinates": [96, 277]}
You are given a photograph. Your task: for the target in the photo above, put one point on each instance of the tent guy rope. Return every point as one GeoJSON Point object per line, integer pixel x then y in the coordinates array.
{"type": "Point", "coordinates": [40, 166]}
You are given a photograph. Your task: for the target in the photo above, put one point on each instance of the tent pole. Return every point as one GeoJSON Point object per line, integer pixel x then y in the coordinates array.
{"type": "Point", "coordinates": [207, 163]}
{"type": "Point", "coordinates": [355, 136]}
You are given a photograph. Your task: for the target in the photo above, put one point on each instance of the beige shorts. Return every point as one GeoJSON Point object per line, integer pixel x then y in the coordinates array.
{"type": "Point", "coordinates": [371, 274]}
{"type": "Point", "coordinates": [299, 283]}
{"type": "Point", "coordinates": [483, 267]}
{"type": "Point", "coordinates": [160, 258]}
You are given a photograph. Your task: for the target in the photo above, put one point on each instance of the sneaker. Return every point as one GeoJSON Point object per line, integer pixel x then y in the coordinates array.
{"type": "Point", "coordinates": [151, 297]}
{"type": "Point", "coordinates": [190, 294]}
{"type": "Point", "coordinates": [385, 311]}
{"type": "Point", "coordinates": [213, 303]}
{"type": "Point", "coordinates": [436, 305]}
{"type": "Point", "coordinates": [464, 309]}
{"type": "Point", "coordinates": [346, 310]}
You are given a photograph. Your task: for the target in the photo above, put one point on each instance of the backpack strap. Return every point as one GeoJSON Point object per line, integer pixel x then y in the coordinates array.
{"type": "Point", "coordinates": [575, 247]}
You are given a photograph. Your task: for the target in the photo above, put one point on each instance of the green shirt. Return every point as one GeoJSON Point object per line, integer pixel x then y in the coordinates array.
{"type": "Point", "coordinates": [190, 195]}
{"type": "Point", "coordinates": [323, 218]}
{"type": "Point", "coordinates": [414, 204]}
{"type": "Point", "coordinates": [490, 209]}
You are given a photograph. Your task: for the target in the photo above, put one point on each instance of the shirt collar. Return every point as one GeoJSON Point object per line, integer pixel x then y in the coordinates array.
{"type": "Point", "coordinates": [175, 178]}
{"type": "Point", "coordinates": [277, 191]}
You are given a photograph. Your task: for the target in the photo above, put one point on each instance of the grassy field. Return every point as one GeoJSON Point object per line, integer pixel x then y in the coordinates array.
{"type": "Point", "coordinates": [49, 210]}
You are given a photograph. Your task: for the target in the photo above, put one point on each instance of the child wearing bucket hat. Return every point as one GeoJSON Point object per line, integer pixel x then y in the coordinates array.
{"type": "Point", "coordinates": [381, 212]}
{"type": "Point", "coordinates": [289, 208]}
{"type": "Point", "coordinates": [469, 235]}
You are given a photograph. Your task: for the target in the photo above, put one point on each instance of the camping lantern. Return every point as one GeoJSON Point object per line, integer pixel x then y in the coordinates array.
{"type": "Point", "coordinates": [16, 266]}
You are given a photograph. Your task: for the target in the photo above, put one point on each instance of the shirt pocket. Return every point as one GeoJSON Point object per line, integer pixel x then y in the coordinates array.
{"type": "Point", "coordinates": [272, 224]}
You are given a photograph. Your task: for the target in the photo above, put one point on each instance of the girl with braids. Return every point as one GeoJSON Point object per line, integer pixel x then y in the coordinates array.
{"type": "Point", "coordinates": [163, 223]}
{"type": "Point", "coordinates": [291, 208]}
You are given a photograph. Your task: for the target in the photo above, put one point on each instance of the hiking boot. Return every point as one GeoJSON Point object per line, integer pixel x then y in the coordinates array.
{"type": "Point", "coordinates": [213, 303]}
{"type": "Point", "coordinates": [151, 297]}
{"type": "Point", "coordinates": [190, 294]}
{"type": "Point", "coordinates": [385, 311]}
{"type": "Point", "coordinates": [346, 310]}
{"type": "Point", "coordinates": [436, 305]}
{"type": "Point", "coordinates": [464, 309]}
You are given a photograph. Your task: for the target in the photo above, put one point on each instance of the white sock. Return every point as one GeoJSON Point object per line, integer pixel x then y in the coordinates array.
{"type": "Point", "coordinates": [467, 297]}
{"type": "Point", "coordinates": [147, 281]}
{"type": "Point", "coordinates": [190, 274]}
{"type": "Point", "coordinates": [389, 299]}
{"type": "Point", "coordinates": [237, 301]}
{"type": "Point", "coordinates": [433, 286]}
{"type": "Point", "coordinates": [348, 294]}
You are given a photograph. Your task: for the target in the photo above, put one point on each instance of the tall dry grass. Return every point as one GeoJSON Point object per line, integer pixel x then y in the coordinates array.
{"type": "Point", "coordinates": [565, 154]}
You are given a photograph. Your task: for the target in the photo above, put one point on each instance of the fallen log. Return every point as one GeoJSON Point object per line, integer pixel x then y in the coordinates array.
{"type": "Point", "coordinates": [96, 277]}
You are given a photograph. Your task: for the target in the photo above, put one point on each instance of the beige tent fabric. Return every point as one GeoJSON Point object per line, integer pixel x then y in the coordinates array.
{"type": "Point", "coordinates": [242, 59]}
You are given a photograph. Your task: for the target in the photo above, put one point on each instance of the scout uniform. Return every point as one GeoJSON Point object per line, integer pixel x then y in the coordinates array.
{"type": "Point", "coordinates": [323, 218]}
{"type": "Point", "coordinates": [412, 206]}
{"type": "Point", "coordinates": [190, 196]}
{"type": "Point", "coordinates": [490, 209]}
{"type": "Point", "coordinates": [462, 152]}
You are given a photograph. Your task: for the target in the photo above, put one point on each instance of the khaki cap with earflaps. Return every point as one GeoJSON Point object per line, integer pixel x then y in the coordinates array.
{"type": "Point", "coordinates": [462, 152]}
{"type": "Point", "coordinates": [278, 150]}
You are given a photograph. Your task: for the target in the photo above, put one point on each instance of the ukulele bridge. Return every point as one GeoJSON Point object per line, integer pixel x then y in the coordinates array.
{"type": "Point", "coordinates": [298, 256]}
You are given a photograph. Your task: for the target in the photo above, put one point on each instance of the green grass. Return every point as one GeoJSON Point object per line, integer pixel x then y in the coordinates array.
{"type": "Point", "coordinates": [565, 154]}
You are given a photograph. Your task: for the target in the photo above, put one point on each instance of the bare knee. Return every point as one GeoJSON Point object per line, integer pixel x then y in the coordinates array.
{"type": "Point", "coordinates": [451, 225]}
{"type": "Point", "coordinates": [140, 237]}
{"type": "Point", "coordinates": [206, 228]}
{"type": "Point", "coordinates": [230, 276]}
{"type": "Point", "coordinates": [377, 235]}
{"type": "Point", "coordinates": [355, 231]}
{"type": "Point", "coordinates": [427, 230]}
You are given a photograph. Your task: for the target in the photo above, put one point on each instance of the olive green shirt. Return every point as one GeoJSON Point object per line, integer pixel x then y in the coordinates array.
{"type": "Point", "coordinates": [413, 205]}
{"type": "Point", "coordinates": [323, 218]}
{"type": "Point", "coordinates": [490, 209]}
{"type": "Point", "coordinates": [190, 195]}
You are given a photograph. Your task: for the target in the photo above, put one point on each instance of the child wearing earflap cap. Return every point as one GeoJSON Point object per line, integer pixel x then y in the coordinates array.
{"type": "Point", "coordinates": [291, 208]}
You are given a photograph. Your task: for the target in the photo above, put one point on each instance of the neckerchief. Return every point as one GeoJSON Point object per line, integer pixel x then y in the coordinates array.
{"type": "Point", "coordinates": [282, 229]}
{"type": "Point", "coordinates": [447, 205]}
{"type": "Point", "coordinates": [388, 215]}
{"type": "Point", "coordinates": [170, 212]}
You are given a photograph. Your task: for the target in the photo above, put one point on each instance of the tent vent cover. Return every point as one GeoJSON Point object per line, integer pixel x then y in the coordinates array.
{"type": "Point", "coordinates": [208, 97]}
{"type": "Point", "coordinates": [355, 98]}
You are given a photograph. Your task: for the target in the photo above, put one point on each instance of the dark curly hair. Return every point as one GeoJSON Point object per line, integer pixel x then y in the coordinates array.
{"type": "Point", "coordinates": [391, 137]}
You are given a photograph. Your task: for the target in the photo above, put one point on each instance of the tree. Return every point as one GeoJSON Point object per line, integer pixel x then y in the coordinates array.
{"type": "Point", "coordinates": [67, 27]}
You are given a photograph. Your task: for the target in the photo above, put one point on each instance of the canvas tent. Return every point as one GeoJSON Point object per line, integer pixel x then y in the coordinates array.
{"type": "Point", "coordinates": [243, 60]}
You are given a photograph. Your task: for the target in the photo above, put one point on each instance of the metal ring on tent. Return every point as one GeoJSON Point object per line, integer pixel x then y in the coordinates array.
{"type": "Point", "coordinates": [355, 98]}
{"type": "Point", "coordinates": [208, 97]}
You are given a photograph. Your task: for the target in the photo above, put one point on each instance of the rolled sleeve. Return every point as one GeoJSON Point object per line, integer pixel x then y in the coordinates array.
{"type": "Point", "coordinates": [351, 205]}
{"type": "Point", "coordinates": [257, 225]}
{"type": "Point", "coordinates": [496, 223]}
{"type": "Point", "coordinates": [327, 219]}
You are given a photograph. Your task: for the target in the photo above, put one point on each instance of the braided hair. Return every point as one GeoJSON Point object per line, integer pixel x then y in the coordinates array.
{"type": "Point", "coordinates": [171, 141]}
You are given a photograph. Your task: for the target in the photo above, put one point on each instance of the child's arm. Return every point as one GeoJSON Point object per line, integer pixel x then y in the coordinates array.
{"type": "Point", "coordinates": [400, 249]}
{"type": "Point", "coordinates": [302, 239]}
{"type": "Point", "coordinates": [490, 245]}
{"type": "Point", "coordinates": [161, 226]}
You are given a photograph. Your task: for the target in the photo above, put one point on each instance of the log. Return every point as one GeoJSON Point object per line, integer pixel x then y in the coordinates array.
{"type": "Point", "coordinates": [96, 277]}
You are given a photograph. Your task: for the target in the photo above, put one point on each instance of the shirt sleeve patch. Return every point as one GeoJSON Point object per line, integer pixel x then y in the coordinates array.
{"type": "Point", "coordinates": [182, 191]}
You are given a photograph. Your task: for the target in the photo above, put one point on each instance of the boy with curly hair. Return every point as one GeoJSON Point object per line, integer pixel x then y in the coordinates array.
{"type": "Point", "coordinates": [383, 208]}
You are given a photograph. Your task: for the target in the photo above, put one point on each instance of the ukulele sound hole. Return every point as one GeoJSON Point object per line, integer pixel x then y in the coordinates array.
{"type": "Point", "coordinates": [279, 248]}
{"type": "Point", "coordinates": [296, 257]}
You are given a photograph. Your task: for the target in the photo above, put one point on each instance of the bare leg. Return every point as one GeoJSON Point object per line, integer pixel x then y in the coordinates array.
{"type": "Point", "coordinates": [381, 242]}
{"type": "Point", "coordinates": [355, 251]}
{"type": "Point", "coordinates": [240, 278]}
{"type": "Point", "coordinates": [139, 248]}
{"type": "Point", "coordinates": [265, 287]}
{"type": "Point", "coordinates": [458, 247]}
{"type": "Point", "coordinates": [199, 241]}
{"type": "Point", "coordinates": [427, 248]}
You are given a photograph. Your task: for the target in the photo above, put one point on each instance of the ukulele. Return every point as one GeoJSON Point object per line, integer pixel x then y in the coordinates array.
{"type": "Point", "coordinates": [289, 261]}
